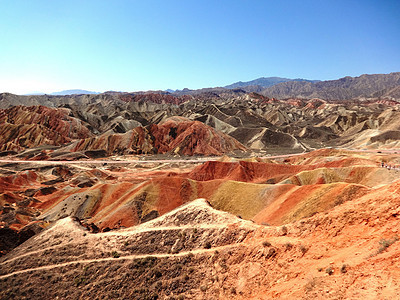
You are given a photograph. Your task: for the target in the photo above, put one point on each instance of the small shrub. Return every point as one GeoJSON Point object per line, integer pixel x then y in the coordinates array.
{"type": "Point", "coordinates": [310, 285]}
{"type": "Point", "coordinates": [266, 244]}
{"type": "Point", "coordinates": [233, 290]}
{"type": "Point", "coordinates": [284, 230]}
{"type": "Point", "coordinates": [157, 274]}
{"type": "Point", "coordinates": [79, 280]}
{"type": "Point", "coordinates": [288, 246]}
{"type": "Point", "coordinates": [223, 264]}
{"type": "Point", "coordinates": [207, 245]}
{"type": "Point", "coordinates": [343, 269]}
{"type": "Point", "coordinates": [319, 269]}
{"type": "Point", "coordinates": [271, 253]}
{"type": "Point", "coordinates": [303, 249]}
{"type": "Point", "coordinates": [329, 270]}
{"type": "Point", "coordinates": [384, 244]}
{"type": "Point", "coordinates": [115, 254]}
{"type": "Point", "coordinates": [203, 288]}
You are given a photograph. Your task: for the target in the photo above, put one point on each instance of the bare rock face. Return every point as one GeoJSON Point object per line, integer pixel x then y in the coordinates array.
{"type": "Point", "coordinates": [25, 127]}
{"type": "Point", "coordinates": [192, 138]}
{"type": "Point", "coordinates": [136, 141]}
{"type": "Point", "coordinates": [182, 137]}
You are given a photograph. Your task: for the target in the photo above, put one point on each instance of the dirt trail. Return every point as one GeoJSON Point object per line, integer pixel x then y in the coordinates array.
{"type": "Point", "coordinates": [147, 229]}
{"type": "Point", "coordinates": [163, 161]}
{"type": "Point", "coordinates": [128, 257]}
{"type": "Point", "coordinates": [167, 161]}
{"type": "Point", "coordinates": [200, 160]}
{"type": "Point", "coordinates": [129, 232]}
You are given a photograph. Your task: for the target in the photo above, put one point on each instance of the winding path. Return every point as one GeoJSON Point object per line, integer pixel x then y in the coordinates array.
{"type": "Point", "coordinates": [123, 232]}
{"type": "Point", "coordinates": [127, 257]}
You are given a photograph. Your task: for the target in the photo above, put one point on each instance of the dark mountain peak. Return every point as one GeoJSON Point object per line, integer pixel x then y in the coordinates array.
{"type": "Point", "coordinates": [366, 85]}
{"type": "Point", "coordinates": [264, 82]}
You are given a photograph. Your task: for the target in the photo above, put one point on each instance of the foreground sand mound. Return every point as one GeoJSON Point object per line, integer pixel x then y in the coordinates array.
{"type": "Point", "coordinates": [140, 255]}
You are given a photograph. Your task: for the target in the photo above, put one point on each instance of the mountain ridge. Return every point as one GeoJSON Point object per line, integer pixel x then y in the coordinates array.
{"type": "Point", "coordinates": [363, 86]}
{"type": "Point", "coordinates": [345, 88]}
{"type": "Point", "coordinates": [264, 82]}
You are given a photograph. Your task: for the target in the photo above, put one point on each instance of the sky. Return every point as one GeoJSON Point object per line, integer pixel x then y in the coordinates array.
{"type": "Point", "coordinates": [129, 45]}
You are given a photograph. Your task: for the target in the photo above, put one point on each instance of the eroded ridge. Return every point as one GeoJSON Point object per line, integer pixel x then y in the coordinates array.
{"type": "Point", "coordinates": [187, 233]}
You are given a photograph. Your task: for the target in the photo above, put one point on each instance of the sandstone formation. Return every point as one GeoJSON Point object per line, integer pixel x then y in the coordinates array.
{"type": "Point", "coordinates": [26, 127]}
{"type": "Point", "coordinates": [183, 137]}
{"type": "Point", "coordinates": [258, 122]}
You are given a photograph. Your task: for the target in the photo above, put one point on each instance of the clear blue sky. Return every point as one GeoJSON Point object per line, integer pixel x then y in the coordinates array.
{"type": "Point", "coordinates": [133, 45]}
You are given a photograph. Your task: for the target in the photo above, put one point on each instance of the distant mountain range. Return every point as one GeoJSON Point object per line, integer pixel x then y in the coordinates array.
{"type": "Point", "coordinates": [66, 93]}
{"type": "Point", "coordinates": [364, 86]}
{"type": "Point", "coordinates": [264, 82]}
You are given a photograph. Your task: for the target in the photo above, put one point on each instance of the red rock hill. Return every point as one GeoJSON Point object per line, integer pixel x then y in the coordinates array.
{"type": "Point", "coordinates": [24, 127]}
{"type": "Point", "coordinates": [179, 136]}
